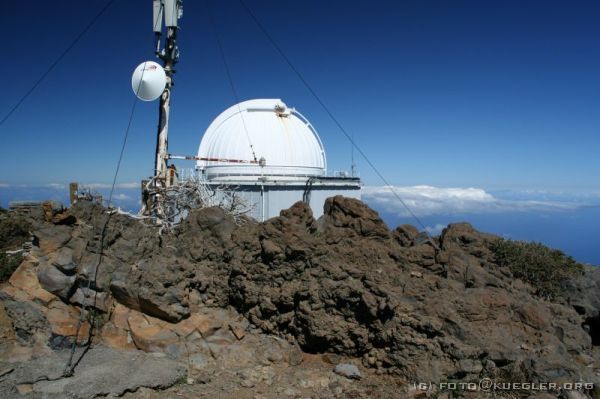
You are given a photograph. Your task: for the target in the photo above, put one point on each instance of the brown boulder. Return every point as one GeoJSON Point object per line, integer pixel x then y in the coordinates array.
{"type": "Point", "coordinates": [214, 219]}
{"type": "Point", "coordinates": [26, 279]}
{"type": "Point", "coordinates": [353, 214]}
{"type": "Point", "coordinates": [123, 293]}
{"type": "Point", "coordinates": [405, 234]}
{"type": "Point", "coordinates": [64, 321]}
{"type": "Point", "coordinates": [150, 337]}
{"type": "Point", "coordinates": [299, 214]}
{"type": "Point", "coordinates": [116, 337]}
{"type": "Point", "coordinates": [64, 219]}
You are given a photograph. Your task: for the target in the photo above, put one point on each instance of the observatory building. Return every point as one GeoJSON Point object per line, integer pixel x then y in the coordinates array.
{"type": "Point", "coordinates": [272, 157]}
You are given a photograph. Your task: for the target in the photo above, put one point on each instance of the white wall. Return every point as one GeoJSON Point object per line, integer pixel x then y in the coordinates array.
{"type": "Point", "coordinates": [279, 197]}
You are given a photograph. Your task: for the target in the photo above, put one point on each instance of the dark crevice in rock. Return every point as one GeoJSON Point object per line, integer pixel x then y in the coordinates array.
{"type": "Point", "coordinates": [579, 309]}
{"type": "Point", "coordinates": [592, 326]}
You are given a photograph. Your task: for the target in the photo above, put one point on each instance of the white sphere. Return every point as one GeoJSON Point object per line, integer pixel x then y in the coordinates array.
{"type": "Point", "coordinates": [148, 81]}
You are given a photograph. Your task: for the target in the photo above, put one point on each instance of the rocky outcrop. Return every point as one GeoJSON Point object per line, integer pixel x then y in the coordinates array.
{"type": "Point", "coordinates": [100, 374]}
{"type": "Point", "coordinates": [583, 294]}
{"type": "Point", "coordinates": [399, 302]}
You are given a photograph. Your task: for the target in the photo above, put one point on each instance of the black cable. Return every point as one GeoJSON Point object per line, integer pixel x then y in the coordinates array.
{"type": "Point", "coordinates": [229, 76]}
{"type": "Point", "coordinates": [135, 101]}
{"type": "Point", "coordinates": [333, 118]}
{"type": "Point", "coordinates": [70, 366]}
{"type": "Point", "coordinates": [60, 57]}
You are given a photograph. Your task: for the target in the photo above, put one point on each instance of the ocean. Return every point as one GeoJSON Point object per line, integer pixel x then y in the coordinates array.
{"type": "Point", "coordinates": [576, 232]}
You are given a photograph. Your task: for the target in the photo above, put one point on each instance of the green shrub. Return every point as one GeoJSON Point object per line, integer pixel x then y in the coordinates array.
{"type": "Point", "coordinates": [542, 267]}
{"type": "Point", "coordinates": [8, 264]}
{"type": "Point", "coordinates": [96, 318]}
{"type": "Point", "coordinates": [13, 233]}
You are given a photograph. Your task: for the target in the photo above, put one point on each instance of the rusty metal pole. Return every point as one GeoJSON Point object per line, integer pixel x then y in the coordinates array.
{"type": "Point", "coordinates": [169, 57]}
{"type": "Point", "coordinates": [171, 10]}
{"type": "Point", "coordinates": [162, 144]}
{"type": "Point", "coordinates": [73, 192]}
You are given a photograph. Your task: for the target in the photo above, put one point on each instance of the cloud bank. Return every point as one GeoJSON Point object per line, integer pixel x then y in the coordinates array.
{"type": "Point", "coordinates": [61, 186]}
{"type": "Point", "coordinates": [428, 200]}
{"type": "Point", "coordinates": [125, 196]}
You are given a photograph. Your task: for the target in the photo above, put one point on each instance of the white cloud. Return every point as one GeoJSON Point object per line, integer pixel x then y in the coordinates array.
{"type": "Point", "coordinates": [106, 185]}
{"type": "Point", "coordinates": [63, 186]}
{"type": "Point", "coordinates": [122, 197]}
{"type": "Point", "coordinates": [129, 185]}
{"type": "Point", "coordinates": [428, 200]}
{"type": "Point", "coordinates": [57, 186]}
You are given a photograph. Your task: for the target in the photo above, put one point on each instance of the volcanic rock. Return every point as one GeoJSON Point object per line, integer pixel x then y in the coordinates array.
{"type": "Point", "coordinates": [25, 280]}
{"type": "Point", "coordinates": [405, 234]}
{"type": "Point", "coordinates": [63, 260]}
{"type": "Point", "coordinates": [350, 213]}
{"type": "Point", "coordinates": [89, 298]}
{"type": "Point", "coordinates": [56, 282]}
{"type": "Point", "coordinates": [67, 325]}
{"type": "Point", "coordinates": [100, 373]}
{"type": "Point", "coordinates": [28, 320]}
{"type": "Point", "coordinates": [250, 297]}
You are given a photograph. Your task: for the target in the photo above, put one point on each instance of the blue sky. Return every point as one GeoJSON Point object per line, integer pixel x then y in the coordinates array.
{"type": "Point", "coordinates": [496, 96]}
{"type": "Point", "coordinates": [485, 94]}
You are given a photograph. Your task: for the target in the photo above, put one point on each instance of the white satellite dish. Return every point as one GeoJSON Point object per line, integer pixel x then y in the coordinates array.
{"type": "Point", "coordinates": [148, 81]}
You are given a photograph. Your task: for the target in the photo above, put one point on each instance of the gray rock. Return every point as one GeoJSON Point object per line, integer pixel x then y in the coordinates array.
{"type": "Point", "coordinates": [56, 282]}
{"type": "Point", "coordinates": [87, 297]}
{"type": "Point", "coordinates": [51, 239]}
{"type": "Point", "coordinates": [348, 370]}
{"type": "Point", "coordinates": [64, 261]}
{"type": "Point", "coordinates": [5, 371]}
{"type": "Point", "coordinates": [583, 293]}
{"type": "Point", "coordinates": [101, 372]}
{"type": "Point", "coordinates": [27, 320]}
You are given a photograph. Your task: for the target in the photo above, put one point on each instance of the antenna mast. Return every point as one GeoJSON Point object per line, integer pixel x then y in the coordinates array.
{"type": "Point", "coordinates": [171, 10]}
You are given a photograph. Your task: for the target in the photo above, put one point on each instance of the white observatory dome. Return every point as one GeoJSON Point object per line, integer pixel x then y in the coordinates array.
{"type": "Point", "coordinates": [289, 145]}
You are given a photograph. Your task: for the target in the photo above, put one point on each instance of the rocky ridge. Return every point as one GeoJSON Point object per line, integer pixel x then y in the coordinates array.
{"type": "Point", "coordinates": [250, 301]}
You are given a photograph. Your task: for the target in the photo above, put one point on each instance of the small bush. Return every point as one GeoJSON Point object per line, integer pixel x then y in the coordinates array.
{"type": "Point", "coordinates": [542, 267]}
{"type": "Point", "coordinates": [13, 233]}
{"type": "Point", "coordinates": [96, 318]}
{"type": "Point", "coordinates": [8, 264]}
